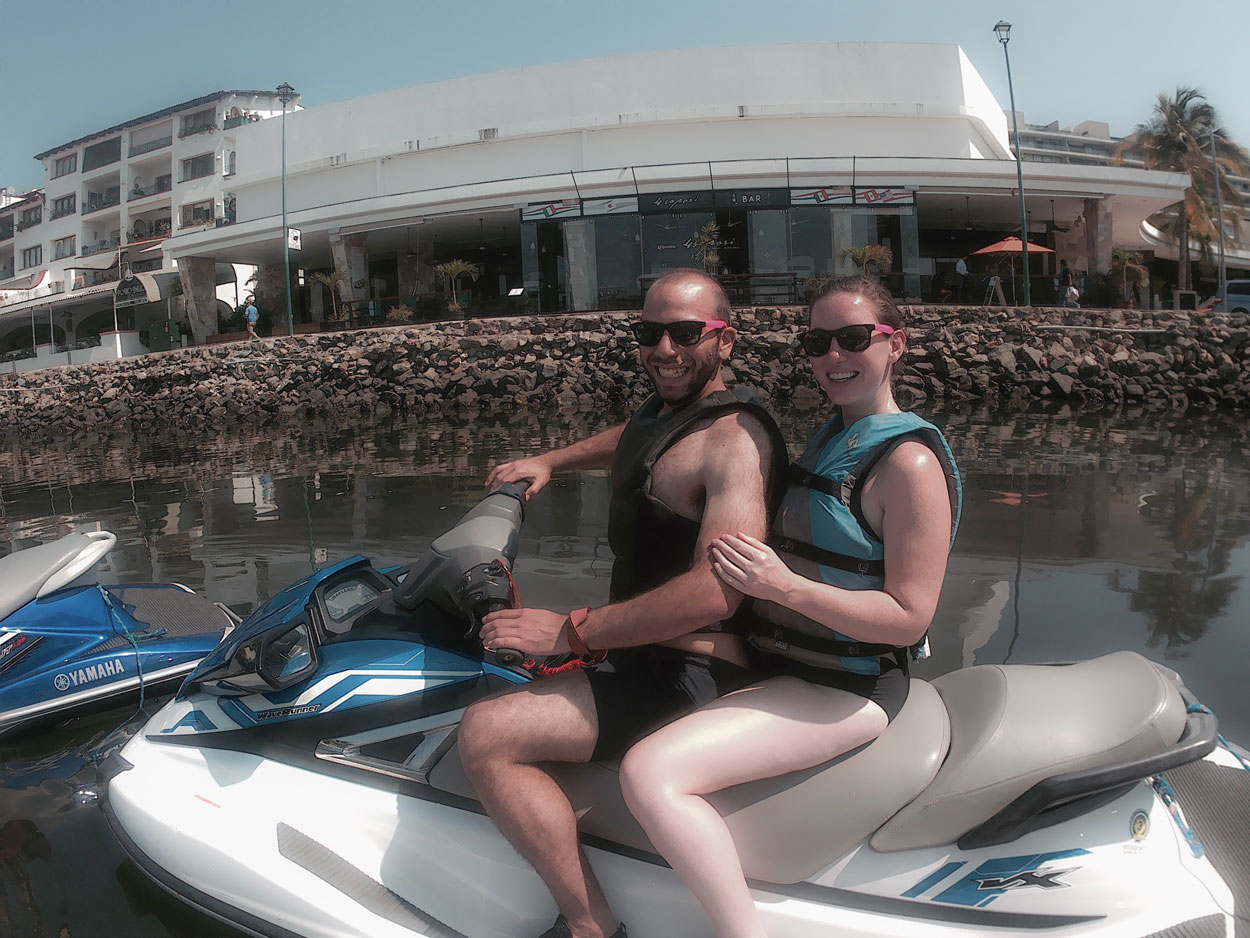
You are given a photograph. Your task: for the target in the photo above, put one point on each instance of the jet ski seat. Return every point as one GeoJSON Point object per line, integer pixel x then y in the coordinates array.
{"type": "Point", "coordinates": [23, 573]}
{"type": "Point", "coordinates": [788, 828]}
{"type": "Point", "coordinates": [1014, 726]}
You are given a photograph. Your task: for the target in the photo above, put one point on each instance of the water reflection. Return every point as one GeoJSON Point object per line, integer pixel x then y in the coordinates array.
{"type": "Point", "coordinates": [1082, 534]}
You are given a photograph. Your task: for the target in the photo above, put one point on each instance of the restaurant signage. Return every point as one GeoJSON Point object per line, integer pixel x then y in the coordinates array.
{"type": "Point", "coordinates": [130, 292]}
{"type": "Point", "coordinates": [623, 205]}
{"type": "Point", "coordinates": [752, 198]}
{"type": "Point", "coordinates": [822, 195]}
{"type": "Point", "coordinates": [884, 196]}
{"type": "Point", "coordinates": [655, 203]}
{"type": "Point", "coordinates": [545, 211]}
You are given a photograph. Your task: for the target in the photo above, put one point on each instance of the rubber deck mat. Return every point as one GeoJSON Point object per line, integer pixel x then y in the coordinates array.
{"type": "Point", "coordinates": [174, 610]}
{"type": "Point", "coordinates": [1209, 926]}
{"type": "Point", "coordinates": [1216, 803]}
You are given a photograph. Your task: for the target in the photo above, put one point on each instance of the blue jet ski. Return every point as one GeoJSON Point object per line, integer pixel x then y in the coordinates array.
{"type": "Point", "coordinates": [69, 644]}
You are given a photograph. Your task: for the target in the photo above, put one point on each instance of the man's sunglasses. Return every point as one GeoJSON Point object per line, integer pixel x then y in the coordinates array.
{"type": "Point", "coordinates": [816, 342]}
{"type": "Point", "coordinates": [686, 333]}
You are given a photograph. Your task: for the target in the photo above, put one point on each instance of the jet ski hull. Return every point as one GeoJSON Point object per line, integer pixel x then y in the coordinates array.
{"type": "Point", "coordinates": [254, 841]}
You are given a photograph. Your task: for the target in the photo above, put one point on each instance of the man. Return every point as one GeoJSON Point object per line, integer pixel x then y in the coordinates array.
{"type": "Point", "coordinates": [695, 461]}
{"type": "Point", "coordinates": [250, 316]}
{"type": "Point", "coordinates": [961, 276]}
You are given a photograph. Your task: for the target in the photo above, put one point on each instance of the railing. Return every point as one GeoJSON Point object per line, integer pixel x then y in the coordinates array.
{"type": "Point", "coordinates": [97, 202]}
{"type": "Point", "coordinates": [61, 254]}
{"type": "Point", "coordinates": [192, 131]}
{"type": "Point", "coordinates": [151, 145]}
{"type": "Point", "coordinates": [30, 223]}
{"type": "Point", "coordinates": [62, 212]}
{"type": "Point", "coordinates": [139, 192]}
{"type": "Point", "coordinates": [161, 228]}
{"type": "Point", "coordinates": [195, 222]}
{"type": "Point", "coordinates": [100, 247]}
{"type": "Point", "coordinates": [6, 233]}
{"type": "Point", "coordinates": [6, 273]}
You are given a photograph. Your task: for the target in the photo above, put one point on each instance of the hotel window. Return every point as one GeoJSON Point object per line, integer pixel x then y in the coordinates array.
{"type": "Point", "coordinates": [200, 120]}
{"type": "Point", "coordinates": [65, 165]}
{"type": "Point", "coordinates": [63, 247]}
{"type": "Point", "coordinates": [32, 256]}
{"type": "Point", "coordinates": [197, 167]}
{"type": "Point", "coordinates": [197, 214]}
{"type": "Point", "coordinates": [65, 205]}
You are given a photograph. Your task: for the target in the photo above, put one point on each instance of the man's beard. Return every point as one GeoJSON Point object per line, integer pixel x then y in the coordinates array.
{"type": "Point", "coordinates": [703, 370]}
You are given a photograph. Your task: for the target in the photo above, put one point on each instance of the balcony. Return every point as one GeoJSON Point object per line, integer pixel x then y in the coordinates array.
{"type": "Point", "coordinates": [6, 232]}
{"type": "Point", "coordinates": [99, 247]}
{"type": "Point", "coordinates": [29, 222]}
{"type": "Point", "coordinates": [149, 230]}
{"type": "Point", "coordinates": [61, 253]}
{"type": "Point", "coordinates": [94, 278]}
{"type": "Point", "coordinates": [6, 272]}
{"type": "Point", "coordinates": [199, 129]}
{"type": "Point", "coordinates": [163, 184]}
{"type": "Point", "coordinates": [140, 148]}
{"type": "Point", "coordinates": [63, 211]}
{"type": "Point", "coordinates": [97, 201]}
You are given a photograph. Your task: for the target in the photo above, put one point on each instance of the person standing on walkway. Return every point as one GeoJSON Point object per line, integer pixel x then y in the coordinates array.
{"type": "Point", "coordinates": [251, 317]}
{"type": "Point", "coordinates": [961, 277]}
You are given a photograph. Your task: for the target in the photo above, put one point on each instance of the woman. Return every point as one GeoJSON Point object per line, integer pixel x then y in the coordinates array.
{"type": "Point", "coordinates": [867, 525]}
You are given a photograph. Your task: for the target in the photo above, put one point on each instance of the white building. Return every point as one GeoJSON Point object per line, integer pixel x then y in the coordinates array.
{"type": "Point", "coordinates": [110, 200]}
{"type": "Point", "coordinates": [572, 185]}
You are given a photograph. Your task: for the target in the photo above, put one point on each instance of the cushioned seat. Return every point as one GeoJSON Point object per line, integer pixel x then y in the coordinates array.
{"type": "Point", "coordinates": [1014, 725]}
{"type": "Point", "coordinates": [788, 828]}
{"type": "Point", "coordinates": [24, 572]}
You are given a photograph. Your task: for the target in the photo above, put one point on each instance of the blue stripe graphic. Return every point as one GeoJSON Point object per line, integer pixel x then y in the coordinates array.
{"type": "Point", "coordinates": [932, 879]}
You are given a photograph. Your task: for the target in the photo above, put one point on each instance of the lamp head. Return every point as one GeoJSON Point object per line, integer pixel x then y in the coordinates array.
{"type": "Point", "coordinates": [285, 93]}
{"type": "Point", "coordinates": [1003, 29]}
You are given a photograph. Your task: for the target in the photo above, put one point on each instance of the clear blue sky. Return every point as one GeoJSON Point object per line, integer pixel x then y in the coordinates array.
{"type": "Point", "coordinates": [76, 66]}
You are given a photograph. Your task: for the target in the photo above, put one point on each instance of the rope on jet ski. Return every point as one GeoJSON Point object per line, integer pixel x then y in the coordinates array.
{"type": "Point", "coordinates": [555, 664]}
{"type": "Point", "coordinates": [1199, 708]}
{"type": "Point", "coordinates": [1168, 797]}
{"type": "Point", "coordinates": [112, 609]}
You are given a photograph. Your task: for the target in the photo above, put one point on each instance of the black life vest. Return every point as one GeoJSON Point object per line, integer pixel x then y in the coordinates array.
{"type": "Point", "coordinates": [652, 544]}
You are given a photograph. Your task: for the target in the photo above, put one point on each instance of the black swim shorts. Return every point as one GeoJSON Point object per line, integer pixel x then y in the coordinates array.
{"type": "Point", "coordinates": [638, 690]}
{"type": "Point", "coordinates": [888, 690]}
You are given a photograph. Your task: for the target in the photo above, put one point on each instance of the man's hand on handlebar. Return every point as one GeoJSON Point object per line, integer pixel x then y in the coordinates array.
{"type": "Point", "coordinates": [530, 631]}
{"type": "Point", "coordinates": [533, 468]}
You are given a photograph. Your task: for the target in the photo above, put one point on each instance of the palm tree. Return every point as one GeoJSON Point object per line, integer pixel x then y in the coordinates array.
{"type": "Point", "coordinates": [707, 246]}
{"type": "Point", "coordinates": [335, 281]}
{"type": "Point", "coordinates": [1125, 262]}
{"type": "Point", "coordinates": [1179, 137]}
{"type": "Point", "coordinates": [450, 270]}
{"type": "Point", "coordinates": [870, 256]}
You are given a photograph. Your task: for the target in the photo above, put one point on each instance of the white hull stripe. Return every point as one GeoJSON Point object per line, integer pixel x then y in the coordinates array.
{"type": "Point", "coordinates": [97, 690]}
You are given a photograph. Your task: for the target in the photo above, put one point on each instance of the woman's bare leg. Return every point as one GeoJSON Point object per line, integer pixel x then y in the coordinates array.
{"type": "Point", "coordinates": [781, 725]}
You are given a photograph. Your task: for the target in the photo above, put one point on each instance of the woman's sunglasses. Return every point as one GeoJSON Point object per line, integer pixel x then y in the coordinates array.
{"type": "Point", "coordinates": [817, 342]}
{"type": "Point", "coordinates": [685, 333]}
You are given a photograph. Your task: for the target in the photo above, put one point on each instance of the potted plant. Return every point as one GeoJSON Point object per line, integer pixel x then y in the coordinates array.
{"type": "Point", "coordinates": [870, 256]}
{"type": "Point", "coordinates": [450, 270]}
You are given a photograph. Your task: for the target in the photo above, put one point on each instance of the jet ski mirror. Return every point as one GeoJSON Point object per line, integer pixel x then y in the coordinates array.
{"type": "Point", "coordinates": [289, 658]}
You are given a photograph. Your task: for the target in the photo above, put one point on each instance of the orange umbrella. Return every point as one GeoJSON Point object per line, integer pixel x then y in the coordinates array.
{"type": "Point", "coordinates": [1012, 246]}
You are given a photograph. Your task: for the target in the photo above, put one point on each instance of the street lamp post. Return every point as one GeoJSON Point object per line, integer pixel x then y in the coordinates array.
{"type": "Point", "coordinates": [1219, 205]}
{"type": "Point", "coordinates": [1003, 31]}
{"type": "Point", "coordinates": [285, 94]}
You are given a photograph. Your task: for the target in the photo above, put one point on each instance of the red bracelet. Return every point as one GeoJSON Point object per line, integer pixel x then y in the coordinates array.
{"type": "Point", "coordinates": [576, 643]}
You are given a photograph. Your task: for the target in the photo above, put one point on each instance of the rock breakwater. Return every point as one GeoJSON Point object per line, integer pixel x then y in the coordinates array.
{"type": "Point", "coordinates": [1159, 358]}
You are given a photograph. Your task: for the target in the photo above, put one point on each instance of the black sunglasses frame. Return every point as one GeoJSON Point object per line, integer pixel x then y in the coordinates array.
{"type": "Point", "coordinates": [856, 338]}
{"type": "Point", "coordinates": [686, 333]}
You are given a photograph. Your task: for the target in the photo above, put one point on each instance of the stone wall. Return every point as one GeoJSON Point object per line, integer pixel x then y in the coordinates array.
{"type": "Point", "coordinates": [1160, 359]}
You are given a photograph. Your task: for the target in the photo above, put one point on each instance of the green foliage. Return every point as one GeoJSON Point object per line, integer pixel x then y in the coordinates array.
{"type": "Point", "coordinates": [450, 271]}
{"type": "Point", "coordinates": [336, 281]}
{"type": "Point", "coordinates": [870, 256]}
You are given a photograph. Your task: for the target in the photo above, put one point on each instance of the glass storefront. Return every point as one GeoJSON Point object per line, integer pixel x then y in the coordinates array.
{"type": "Point", "coordinates": [763, 248]}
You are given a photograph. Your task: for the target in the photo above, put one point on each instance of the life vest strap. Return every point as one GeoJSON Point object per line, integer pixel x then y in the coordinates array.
{"type": "Point", "coordinates": [828, 654]}
{"type": "Point", "coordinates": [827, 558]}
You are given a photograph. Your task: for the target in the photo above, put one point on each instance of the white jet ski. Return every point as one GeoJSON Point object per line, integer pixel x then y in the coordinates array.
{"type": "Point", "coordinates": [306, 782]}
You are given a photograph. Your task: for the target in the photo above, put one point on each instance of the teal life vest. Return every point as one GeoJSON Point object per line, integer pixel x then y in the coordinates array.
{"type": "Point", "coordinates": [820, 532]}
